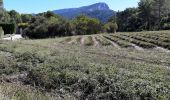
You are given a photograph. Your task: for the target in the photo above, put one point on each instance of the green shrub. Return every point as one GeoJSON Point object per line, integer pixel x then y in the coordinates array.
{"type": "Point", "coordinates": [23, 25]}
{"type": "Point", "coordinates": [85, 25]}
{"type": "Point", "coordinates": [88, 41]}
{"type": "Point", "coordinates": [8, 28]}
{"type": "Point", "coordinates": [166, 26]}
{"type": "Point", "coordinates": [111, 27]}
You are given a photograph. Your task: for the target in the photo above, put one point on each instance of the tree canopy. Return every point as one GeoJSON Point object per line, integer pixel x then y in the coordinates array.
{"type": "Point", "coordinates": [147, 16]}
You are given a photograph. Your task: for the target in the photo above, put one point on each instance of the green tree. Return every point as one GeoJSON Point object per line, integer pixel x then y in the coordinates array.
{"type": "Point", "coordinates": [4, 16]}
{"type": "Point", "coordinates": [85, 25]}
{"type": "Point", "coordinates": [128, 20]}
{"type": "Point", "coordinates": [49, 14]}
{"type": "Point", "coordinates": [26, 18]}
{"type": "Point", "coordinates": [161, 8]}
{"type": "Point", "coordinates": [9, 28]}
{"type": "Point", "coordinates": [145, 13]}
{"type": "Point", "coordinates": [112, 19]}
{"type": "Point", "coordinates": [93, 26]}
{"type": "Point", "coordinates": [165, 23]}
{"type": "Point", "coordinates": [37, 28]}
{"type": "Point", "coordinates": [15, 16]}
{"type": "Point", "coordinates": [111, 27]}
{"type": "Point", "coordinates": [57, 27]}
{"type": "Point", "coordinates": [47, 25]}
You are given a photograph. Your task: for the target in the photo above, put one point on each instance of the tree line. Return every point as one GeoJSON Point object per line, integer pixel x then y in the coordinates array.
{"type": "Point", "coordinates": [149, 15]}
{"type": "Point", "coordinates": [48, 24]}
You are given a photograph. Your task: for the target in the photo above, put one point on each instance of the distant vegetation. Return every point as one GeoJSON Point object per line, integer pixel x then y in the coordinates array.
{"type": "Point", "coordinates": [149, 15]}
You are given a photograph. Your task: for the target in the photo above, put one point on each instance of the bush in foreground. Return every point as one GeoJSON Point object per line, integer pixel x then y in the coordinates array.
{"type": "Point", "coordinates": [86, 81]}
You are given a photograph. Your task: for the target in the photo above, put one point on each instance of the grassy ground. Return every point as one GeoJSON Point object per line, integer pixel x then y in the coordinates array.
{"type": "Point", "coordinates": [80, 67]}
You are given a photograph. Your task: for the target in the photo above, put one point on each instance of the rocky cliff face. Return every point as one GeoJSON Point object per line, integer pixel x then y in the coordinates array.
{"type": "Point", "coordinates": [97, 6]}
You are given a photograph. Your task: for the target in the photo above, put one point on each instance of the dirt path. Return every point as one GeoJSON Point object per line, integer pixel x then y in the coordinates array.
{"type": "Point", "coordinates": [137, 47]}
{"type": "Point", "coordinates": [72, 41]}
{"type": "Point", "coordinates": [96, 43]}
{"type": "Point", "coordinates": [82, 40]}
{"type": "Point", "coordinates": [13, 37]}
{"type": "Point", "coordinates": [162, 49]}
{"type": "Point", "coordinates": [113, 43]}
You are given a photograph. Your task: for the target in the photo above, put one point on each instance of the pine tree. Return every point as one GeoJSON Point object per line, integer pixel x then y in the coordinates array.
{"type": "Point", "coordinates": [145, 9]}
{"type": "Point", "coordinates": [160, 9]}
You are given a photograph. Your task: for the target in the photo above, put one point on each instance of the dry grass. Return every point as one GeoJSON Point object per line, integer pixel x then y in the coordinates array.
{"type": "Point", "coordinates": [76, 71]}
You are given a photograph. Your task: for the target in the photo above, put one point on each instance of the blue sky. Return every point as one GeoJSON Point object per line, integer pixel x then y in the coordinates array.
{"type": "Point", "coordinates": [36, 6]}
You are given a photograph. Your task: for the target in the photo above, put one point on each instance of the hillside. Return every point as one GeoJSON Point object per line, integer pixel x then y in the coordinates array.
{"type": "Point", "coordinates": [100, 11]}
{"type": "Point", "coordinates": [102, 66]}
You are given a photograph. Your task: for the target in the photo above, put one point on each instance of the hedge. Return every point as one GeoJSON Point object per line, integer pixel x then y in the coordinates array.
{"type": "Point", "coordinates": [8, 28]}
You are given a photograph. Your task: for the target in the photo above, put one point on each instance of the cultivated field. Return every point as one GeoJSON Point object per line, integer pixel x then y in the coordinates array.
{"type": "Point", "coordinates": [140, 40]}
{"type": "Point", "coordinates": [121, 66]}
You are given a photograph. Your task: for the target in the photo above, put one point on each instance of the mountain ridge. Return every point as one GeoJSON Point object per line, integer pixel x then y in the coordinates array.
{"type": "Point", "coordinates": [99, 10]}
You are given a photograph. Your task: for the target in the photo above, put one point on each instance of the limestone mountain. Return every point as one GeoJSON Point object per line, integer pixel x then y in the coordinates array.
{"type": "Point", "coordinates": [100, 11]}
